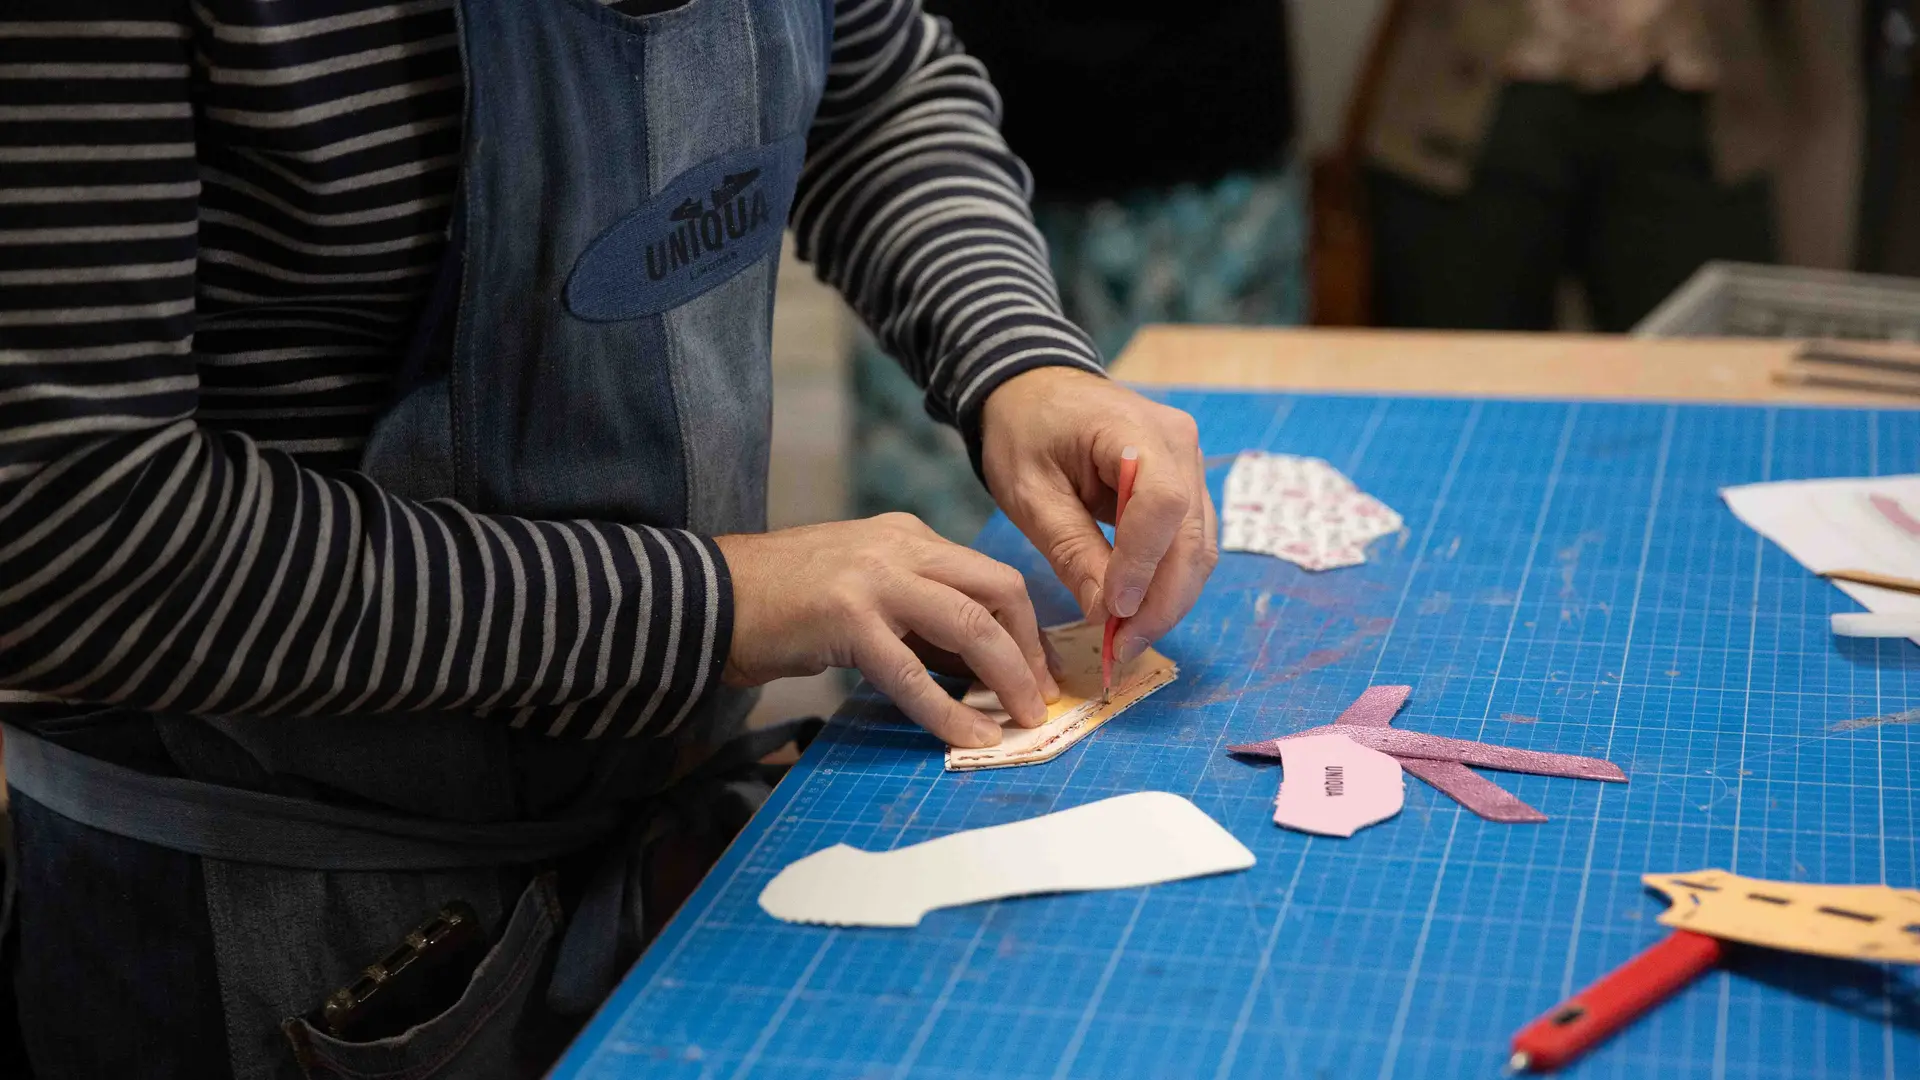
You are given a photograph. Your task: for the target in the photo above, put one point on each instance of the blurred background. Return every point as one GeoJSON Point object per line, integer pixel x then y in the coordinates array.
{"type": "Point", "coordinates": [1544, 165]}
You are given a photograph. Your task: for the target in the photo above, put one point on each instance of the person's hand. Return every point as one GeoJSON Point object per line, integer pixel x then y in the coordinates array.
{"type": "Point", "coordinates": [890, 597]}
{"type": "Point", "coordinates": [1051, 444]}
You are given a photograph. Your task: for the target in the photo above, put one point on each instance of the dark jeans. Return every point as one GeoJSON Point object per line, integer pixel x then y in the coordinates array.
{"type": "Point", "coordinates": [1616, 189]}
{"type": "Point", "coordinates": [114, 962]}
{"type": "Point", "coordinates": [13, 1050]}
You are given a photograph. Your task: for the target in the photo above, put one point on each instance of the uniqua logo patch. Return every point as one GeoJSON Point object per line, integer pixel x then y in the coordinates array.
{"type": "Point", "coordinates": [736, 209]}
{"type": "Point", "coordinates": [710, 223]}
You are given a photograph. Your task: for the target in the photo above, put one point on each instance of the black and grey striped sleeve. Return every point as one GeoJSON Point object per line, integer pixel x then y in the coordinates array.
{"type": "Point", "coordinates": [152, 560]}
{"type": "Point", "coordinates": [913, 206]}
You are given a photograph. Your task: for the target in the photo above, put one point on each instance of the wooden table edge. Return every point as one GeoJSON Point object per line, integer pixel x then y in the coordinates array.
{"type": "Point", "coordinates": [1477, 364]}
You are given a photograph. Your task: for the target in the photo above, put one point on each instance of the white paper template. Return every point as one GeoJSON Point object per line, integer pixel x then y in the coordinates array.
{"type": "Point", "coordinates": [1130, 840]}
{"type": "Point", "coordinates": [1839, 525]}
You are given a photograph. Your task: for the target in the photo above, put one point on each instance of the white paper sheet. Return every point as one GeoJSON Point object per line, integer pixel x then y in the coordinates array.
{"type": "Point", "coordinates": [1130, 840]}
{"type": "Point", "coordinates": [1838, 525]}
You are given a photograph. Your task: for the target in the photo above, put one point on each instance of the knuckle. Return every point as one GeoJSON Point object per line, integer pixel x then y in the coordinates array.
{"type": "Point", "coordinates": [1027, 490]}
{"type": "Point", "coordinates": [909, 549]}
{"type": "Point", "coordinates": [1208, 556]}
{"type": "Point", "coordinates": [1206, 550]}
{"type": "Point", "coordinates": [900, 521]}
{"type": "Point", "coordinates": [846, 600]}
{"type": "Point", "coordinates": [1179, 426]}
{"type": "Point", "coordinates": [1069, 550]}
{"type": "Point", "coordinates": [865, 651]}
{"type": "Point", "coordinates": [920, 550]}
{"type": "Point", "coordinates": [860, 580]}
{"type": "Point", "coordinates": [902, 671]}
{"type": "Point", "coordinates": [975, 624]}
{"type": "Point", "coordinates": [872, 561]}
{"type": "Point", "coordinates": [1170, 498]}
{"type": "Point", "coordinates": [1008, 582]}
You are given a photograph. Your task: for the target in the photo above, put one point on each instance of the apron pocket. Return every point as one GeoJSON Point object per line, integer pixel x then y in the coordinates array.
{"type": "Point", "coordinates": [481, 1036]}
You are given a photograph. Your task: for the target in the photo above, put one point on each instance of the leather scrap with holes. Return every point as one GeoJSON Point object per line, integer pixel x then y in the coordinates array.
{"type": "Point", "coordinates": [1854, 922]}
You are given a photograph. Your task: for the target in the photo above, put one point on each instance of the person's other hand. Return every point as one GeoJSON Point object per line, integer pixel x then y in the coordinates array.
{"type": "Point", "coordinates": [1051, 445]}
{"type": "Point", "coordinates": [888, 596]}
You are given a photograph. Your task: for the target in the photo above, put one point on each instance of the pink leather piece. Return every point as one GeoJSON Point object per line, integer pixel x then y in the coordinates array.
{"type": "Point", "coordinates": [1443, 762]}
{"type": "Point", "coordinates": [1376, 707]}
{"type": "Point", "coordinates": [1418, 744]}
{"type": "Point", "coordinates": [1335, 787]}
{"type": "Point", "coordinates": [1473, 791]}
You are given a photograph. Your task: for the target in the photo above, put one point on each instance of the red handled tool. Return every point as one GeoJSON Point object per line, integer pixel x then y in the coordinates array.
{"type": "Point", "coordinates": [1129, 468]}
{"type": "Point", "coordinates": [1586, 1019]}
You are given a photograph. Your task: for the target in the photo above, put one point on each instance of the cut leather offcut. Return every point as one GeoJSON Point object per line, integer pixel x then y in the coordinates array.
{"type": "Point", "coordinates": [1333, 786]}
{"type": "Point", "coordinates": [1300, 509]}
{"type": "Point", "coordinates": [1854, 922]}
{"type": "Point", "coordinates": [1131, 840]}
{"type": "Point", "coordinates": [1079, 711]}
{"type": "Point", "coordinates": [1443, 762]}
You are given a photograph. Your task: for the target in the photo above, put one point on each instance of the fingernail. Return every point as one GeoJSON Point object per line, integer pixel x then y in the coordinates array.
{"type": "Point", "coordinates": [1127, 602]}
{"type": "Point", "coordinates": [1049, 689]}
{"type": "Point", "coordinates": [1040, 701]}
{"type": "Point", "coordinates": [1090, 598]}
{"type": "Point", "coordinates": [986, 733]}
{"type": "Point", "coordinates": [1131, 648]}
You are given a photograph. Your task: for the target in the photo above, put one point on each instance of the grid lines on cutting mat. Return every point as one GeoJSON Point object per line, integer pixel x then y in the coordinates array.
{"type": "Point", "coordinates": [1628, 614]}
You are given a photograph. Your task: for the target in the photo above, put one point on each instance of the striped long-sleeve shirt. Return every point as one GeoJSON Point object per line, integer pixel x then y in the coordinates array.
{"type": "Point", "coordinates": [218, 221]}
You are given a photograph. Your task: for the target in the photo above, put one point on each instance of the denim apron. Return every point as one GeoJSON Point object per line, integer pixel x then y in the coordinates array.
{"type": "Point", "coordinates": [604, 332]}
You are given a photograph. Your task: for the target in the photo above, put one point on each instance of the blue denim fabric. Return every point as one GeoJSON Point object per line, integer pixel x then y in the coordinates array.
{"type": "Point", "coordinates": [492, 1030]}
{"type": "Point", "coordinates": [114, 964]}
{"type": "Point", "coordinates": [650, 401]}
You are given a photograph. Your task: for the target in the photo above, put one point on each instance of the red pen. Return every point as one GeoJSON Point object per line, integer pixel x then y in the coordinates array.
{"type": "Point", "coordinates": [1586, 1019]}
{"type": "Point", "coordinates": [1129, 468]}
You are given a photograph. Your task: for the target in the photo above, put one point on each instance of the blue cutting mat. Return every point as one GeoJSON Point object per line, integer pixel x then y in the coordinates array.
{"type": "Point", "coordinates": [1568, 580]}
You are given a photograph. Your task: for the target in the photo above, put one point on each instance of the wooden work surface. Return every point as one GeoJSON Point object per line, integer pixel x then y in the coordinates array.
{"type": "Point", "coordinates": [1475, 364]}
